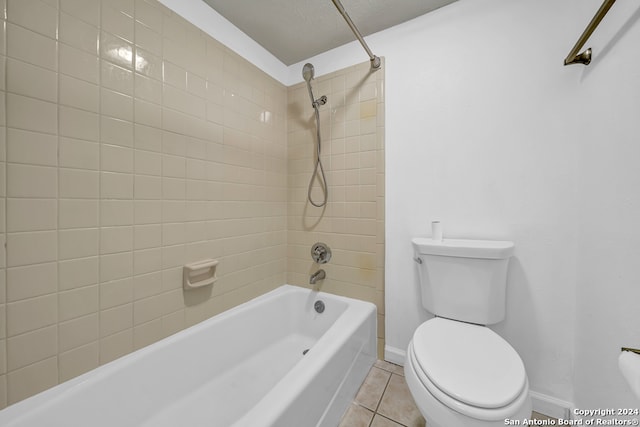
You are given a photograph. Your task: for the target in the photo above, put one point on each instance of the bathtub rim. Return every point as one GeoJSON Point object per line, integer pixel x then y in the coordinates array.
{"type": "Point", "coordinates": [16, 412]}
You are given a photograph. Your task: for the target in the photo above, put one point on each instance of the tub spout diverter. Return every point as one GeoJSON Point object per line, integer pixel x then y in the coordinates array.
{"type": "Point", "coordinates": [318, 275]}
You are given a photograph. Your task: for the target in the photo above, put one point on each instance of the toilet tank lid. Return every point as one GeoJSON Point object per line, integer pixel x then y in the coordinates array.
{"type": "Point", "coordinates": [488, 249]}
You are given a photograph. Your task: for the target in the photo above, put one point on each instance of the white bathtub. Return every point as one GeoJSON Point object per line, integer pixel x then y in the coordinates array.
{"type": "Point", "coordinates": [242, 368]}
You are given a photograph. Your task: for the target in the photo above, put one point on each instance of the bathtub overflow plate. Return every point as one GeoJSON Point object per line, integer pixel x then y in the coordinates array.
{"type": "Point", "coordinates": [319, 306]}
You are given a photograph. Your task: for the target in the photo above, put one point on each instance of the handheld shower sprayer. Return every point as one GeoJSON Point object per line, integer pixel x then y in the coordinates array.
{"type": "Point", "coordinates": [308, 73]}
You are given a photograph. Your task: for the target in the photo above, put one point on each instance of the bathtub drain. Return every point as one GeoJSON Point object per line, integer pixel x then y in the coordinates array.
{"type": "Point", "coordinates": [305, 351]}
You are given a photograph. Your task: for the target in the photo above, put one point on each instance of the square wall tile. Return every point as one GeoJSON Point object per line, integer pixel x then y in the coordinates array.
{"type": "Point", "coordinates": [77, 213]}
{"type": "Point", "coordinates": [31, 314]}
{"type": "Point", "coordinates": [116, 345]}
{"type": "Point", "coordinates": [30, 46]}
{"type": "Point", "coordinates": [116, 293]}
{"type": "Point", "coordinates": [86, 10]}
{"type": "Point", "coordinates": [117, 18]}
{"type": "Point", "coordinates": [21, 111]}
{"type": "Point", "coordinates": [32, 379]}
{"type": "Point", "coordinates": [78, 273]}
{"type": "Point", "coordinates": [25, 349]}
{"type": "Point", "coordinates": [32, 148]}
{"type": "Point", "coordinates": [34, 15]}
{"type": "Point", "coordinates": [78, 33]}
{"type": "Point", "coordinates": [79, 154]}
{"type": "Point", "coordinates": [77, 243]}
{"type": "Point", "coordinates": [79, 184]}
{"type": "Point", "coordinates": [31, 80]}
{"type": "Point", "coordinates": [78, 302]}
{"type": "Point", "coordinates": [31, 214]}
{"type": "Point", "coordinates": [31, 281]}
{"type": "Point", "coordinates": [78, 361]}
{"type": "Point", "coordinates": [78, 124]}
{"type": "Point", "coordinates": [31, 248]}
{"type": "Point", "coordinates": [78, 332]}
{"type": "Point", "coordinates": [78, 63]}
{"type": "Point", "coordinates": [149, 14]}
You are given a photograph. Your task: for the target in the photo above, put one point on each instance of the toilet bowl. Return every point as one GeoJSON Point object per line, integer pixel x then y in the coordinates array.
{"type": "Point", "coordinates": [465, 375]}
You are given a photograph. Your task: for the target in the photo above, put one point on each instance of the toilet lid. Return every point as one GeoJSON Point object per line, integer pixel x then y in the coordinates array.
{"type": "Point", "coordinates": [470, 363]}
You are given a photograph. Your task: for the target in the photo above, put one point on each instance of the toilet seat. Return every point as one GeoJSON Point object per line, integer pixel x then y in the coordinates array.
{"type": "Point", "coordinates": [519, 408]}
{"type": "Point", "coordinates": [469, 368]}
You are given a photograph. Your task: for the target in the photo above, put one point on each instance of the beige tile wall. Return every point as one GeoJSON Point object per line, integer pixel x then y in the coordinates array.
{"type": "Point", "coordinates": [130, 143]}
{"type": "Point", "coordinates": [352, 223]}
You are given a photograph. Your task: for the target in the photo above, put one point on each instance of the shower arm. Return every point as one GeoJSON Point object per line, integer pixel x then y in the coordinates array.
{"type": "Point", "coordinates": [375, 61]}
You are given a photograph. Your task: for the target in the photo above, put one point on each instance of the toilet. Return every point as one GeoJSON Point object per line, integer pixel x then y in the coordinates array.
{"type": "Point", "coordinates": [461, 373]}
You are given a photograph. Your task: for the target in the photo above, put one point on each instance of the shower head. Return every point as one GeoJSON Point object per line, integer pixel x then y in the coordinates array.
{"type": "Point", "coordinates": [308, 72]}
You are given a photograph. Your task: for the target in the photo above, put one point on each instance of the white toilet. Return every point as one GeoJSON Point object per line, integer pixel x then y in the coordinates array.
{"type": "Point", "coordinates": [460, 372]}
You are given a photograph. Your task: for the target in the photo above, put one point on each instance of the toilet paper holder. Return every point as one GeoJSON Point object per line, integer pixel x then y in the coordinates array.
{"type": "Point", "coordinates": [633, 350]}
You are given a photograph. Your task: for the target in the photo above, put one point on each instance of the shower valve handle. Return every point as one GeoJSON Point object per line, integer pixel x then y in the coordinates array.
{"type": "Point", "coordinates": [320, 253]}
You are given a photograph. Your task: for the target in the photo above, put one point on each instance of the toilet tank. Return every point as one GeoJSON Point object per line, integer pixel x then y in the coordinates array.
{"type": "Point", "coordinates": [464, 279]}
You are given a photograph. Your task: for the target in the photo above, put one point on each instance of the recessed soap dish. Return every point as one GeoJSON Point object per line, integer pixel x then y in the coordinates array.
{"type": "Point", "coordinates": [199, 274]}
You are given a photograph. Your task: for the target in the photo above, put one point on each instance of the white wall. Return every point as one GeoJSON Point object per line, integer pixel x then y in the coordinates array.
{"type": "Point", "coordinates": [488, 132]}
{"type": "Point", "coordinates": [482, 138]}
{"type": "Point", "coordinates": [608, 282]}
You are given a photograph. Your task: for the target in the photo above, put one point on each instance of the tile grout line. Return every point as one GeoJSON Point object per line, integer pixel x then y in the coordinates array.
{"type": "Point", "coordinates": [375, 412]}
{"type": "Point", "coordinates": [390, 419]}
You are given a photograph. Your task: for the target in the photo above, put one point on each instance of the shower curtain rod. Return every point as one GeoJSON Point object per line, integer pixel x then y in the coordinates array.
{"type": "Point", "coordinates": [375, 61]}
{"type": "Point", "coordinates": [585, 57]}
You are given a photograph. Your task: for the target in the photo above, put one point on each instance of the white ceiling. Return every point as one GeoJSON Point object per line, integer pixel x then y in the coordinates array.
{"type": "Point", "coordinates": [294, 30]}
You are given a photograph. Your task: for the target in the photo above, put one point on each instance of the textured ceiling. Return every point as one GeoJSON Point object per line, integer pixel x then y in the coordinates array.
{"type": "Point", "coordinates": [294, 30]}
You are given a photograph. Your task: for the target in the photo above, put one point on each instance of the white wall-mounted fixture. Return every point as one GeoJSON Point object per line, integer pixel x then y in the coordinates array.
{"type": "Point", "coordinates": [629, 364]}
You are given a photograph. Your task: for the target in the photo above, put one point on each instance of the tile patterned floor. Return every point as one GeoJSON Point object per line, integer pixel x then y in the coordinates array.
{"type": "Point", "coordinates": [384, 400]}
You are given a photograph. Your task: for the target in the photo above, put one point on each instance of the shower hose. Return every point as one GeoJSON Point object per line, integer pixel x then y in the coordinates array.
{"type": "Point", "coordinates": [318, 165]}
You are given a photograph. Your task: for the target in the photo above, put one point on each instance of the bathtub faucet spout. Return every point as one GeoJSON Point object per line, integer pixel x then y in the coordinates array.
{"type": "Point", "coordinates": [318, 275]}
